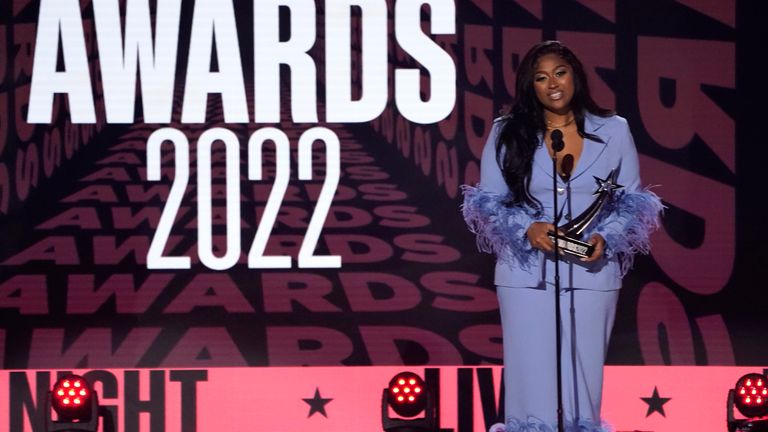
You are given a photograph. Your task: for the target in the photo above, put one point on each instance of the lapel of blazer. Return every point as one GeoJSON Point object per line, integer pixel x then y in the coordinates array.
{"type": "Point", "coordinates": [592, 149]}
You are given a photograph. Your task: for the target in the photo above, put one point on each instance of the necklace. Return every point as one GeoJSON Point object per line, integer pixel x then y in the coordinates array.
{"type": "Point", "coordinates": [552, 126]}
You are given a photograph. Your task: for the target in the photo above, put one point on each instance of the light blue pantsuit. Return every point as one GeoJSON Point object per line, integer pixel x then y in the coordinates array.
{"type": "Point", "coordinates": [524, 276]}
{"type": "Point", "coordinates": [528, 320]}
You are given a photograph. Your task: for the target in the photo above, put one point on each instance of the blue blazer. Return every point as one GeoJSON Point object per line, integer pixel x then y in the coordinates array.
{"type": "Point", "coordinates": [626, 222]}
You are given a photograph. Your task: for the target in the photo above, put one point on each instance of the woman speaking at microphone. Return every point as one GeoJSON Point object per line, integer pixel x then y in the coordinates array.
{"type": "Point", "coordinates": [512, 211]}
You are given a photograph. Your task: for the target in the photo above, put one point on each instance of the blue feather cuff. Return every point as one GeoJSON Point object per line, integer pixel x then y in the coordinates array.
{"type": "Point", "coordinates": [628, 221]}
{"type": "Point", "coordinates": [500, 229]}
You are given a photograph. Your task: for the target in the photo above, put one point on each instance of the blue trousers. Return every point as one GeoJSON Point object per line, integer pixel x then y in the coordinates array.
{"type": "Point", "coordinates": [530, 371]}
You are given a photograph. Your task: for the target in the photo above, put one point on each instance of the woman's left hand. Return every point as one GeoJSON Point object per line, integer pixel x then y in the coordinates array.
{"type": "Point", "coordinates": [599, 243]}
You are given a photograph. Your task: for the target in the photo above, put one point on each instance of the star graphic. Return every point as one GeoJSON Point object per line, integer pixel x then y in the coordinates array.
{"type": "Point", "coordinates": [655, 403]}
{"type": "Point", "coordinates": [317, 404]}
{"type": "Point", "coordinates": [608, 184]}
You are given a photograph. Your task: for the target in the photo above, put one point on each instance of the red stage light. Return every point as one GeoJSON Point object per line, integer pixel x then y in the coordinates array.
{"type": "Point", "coordinates": [71, 397]}
{"type": "Point", "coordinates": [414, 400]}
{"type": "Point", "coordinates": [751, 398]}
{"type": "Point", "coordinates": [407, 394]}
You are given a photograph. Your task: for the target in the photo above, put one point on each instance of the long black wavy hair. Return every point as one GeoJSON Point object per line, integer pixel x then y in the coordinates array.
{"type": "Point", "coordinates": [523, 122]}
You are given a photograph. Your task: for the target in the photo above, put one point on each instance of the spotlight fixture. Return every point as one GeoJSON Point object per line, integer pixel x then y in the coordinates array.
{"type": "Point", "coordinates": [75, 403]}
{"type": "Point", "coordinates": [408, 395]}
{"type": "Point", "coordinates": [750, 397]}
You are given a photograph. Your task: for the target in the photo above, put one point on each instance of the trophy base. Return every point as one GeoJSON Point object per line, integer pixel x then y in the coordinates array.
{"type": "Point", "coordinates": [572, 246]}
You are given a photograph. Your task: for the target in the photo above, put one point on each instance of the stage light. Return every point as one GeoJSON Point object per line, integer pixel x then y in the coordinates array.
{"type": "Point", "coordinates": [75, 403]}
{"type": "Point", "coordinates": [408, 396]}
{"type": "Point", "coordinates": [750, 397]}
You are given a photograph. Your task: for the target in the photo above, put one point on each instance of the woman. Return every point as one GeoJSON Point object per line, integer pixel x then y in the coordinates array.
{"type": "Point", "coordinates": [511, 211]}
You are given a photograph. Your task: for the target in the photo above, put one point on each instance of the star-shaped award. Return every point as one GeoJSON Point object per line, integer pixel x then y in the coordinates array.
{"type": "Point", "coordinates": [608, 184]}
{"type": "Point", "coordinates": [655, 403]}
{"type": "Point", "coordinates": [317, 404]}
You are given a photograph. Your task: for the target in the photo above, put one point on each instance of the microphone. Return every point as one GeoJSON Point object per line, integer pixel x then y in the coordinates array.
{"type": "Point", "coordinates": [556, 136]}
{"type": "Point", "coordinates": [566, 167]}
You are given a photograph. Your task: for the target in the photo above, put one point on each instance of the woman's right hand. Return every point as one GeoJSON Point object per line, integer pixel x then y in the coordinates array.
{"type": "Point", "coordinates": [538, 238]}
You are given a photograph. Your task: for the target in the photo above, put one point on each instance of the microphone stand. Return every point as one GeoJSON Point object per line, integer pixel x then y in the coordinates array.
{"type": "Point", "coordinates": [556, 137]}
{"type": "Point", "coordinates": [566, 169]}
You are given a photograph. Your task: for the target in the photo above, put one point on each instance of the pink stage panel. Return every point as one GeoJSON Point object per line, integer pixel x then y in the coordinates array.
{"type": "Point", "coordinates": [275, 399]}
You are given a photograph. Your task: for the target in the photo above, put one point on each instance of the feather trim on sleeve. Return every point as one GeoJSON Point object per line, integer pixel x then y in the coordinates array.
{"type": "Point", "coordinates": [630, 219]}
{"type": "Point", "coordinates": [500, 229]}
